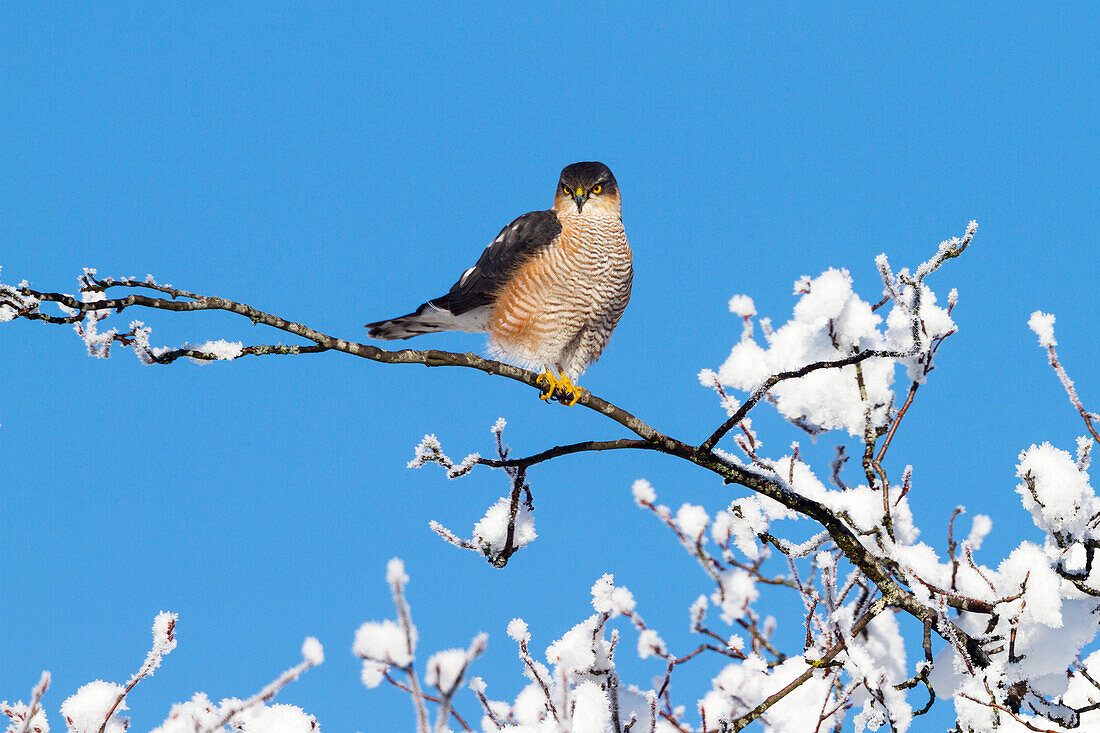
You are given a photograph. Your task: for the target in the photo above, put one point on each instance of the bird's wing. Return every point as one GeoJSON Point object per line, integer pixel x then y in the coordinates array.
{"type": "Point", "coordinates": [518, 241]}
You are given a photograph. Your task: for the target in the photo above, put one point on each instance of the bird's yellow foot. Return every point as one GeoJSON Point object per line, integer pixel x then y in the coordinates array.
{"type": "Point", "coordinates": [570, 392]}
{"type": "Point", "coordinates": [551, 381]}
{"type": "Point", "coordinates": [559, 387]}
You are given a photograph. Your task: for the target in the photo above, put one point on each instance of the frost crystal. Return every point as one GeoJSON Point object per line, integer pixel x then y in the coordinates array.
{"type": "Point", "coordinates": [737, 591]}
{"type": "Point", "coordinates": [221, 350]}
{"type": "Point", "coordinates": [464, 467]}
{"type": "Point", "coordinates": [743, 306]}
{"type": "Point", "coordinates": [429, 450]}
{"type": "Point", "coordinates": [373, 673]}
{"type": "Point", "coordinates": [1043, 326]}
{"type": "Point", "coordinates": [383, 642]}
{"type": "Point", "coordinates": [312, 651]}
{"type": "Point", "coordinates": [650, 644]}
{"type": "Point", "coordinates": [395, 572]}
{"type": "Point", "coordinates": [517, 630]}
{"type": "Point", "coordinates": [164, 641]}
{"type": "Point", "coordinates": [606, 598]}
{"type": "Point", "coordinates": [591, 712]}
{"type": "Point", "coordinates": [697, 612]}
{"type": "Point", "coordinates": [692, 521]}
{"type": "Point", "coordinates": [1084, 452]}
{"type": "Point", "coordinates": [643, 492]}
{"type": "Point", "coordinates": [445, 669]}
{"type": "Point", "coordinates": [582, 649]}
{"type": "Point", "coordinates": [17, 713]}
{"type": "Point", "coordinates": [980, 526]}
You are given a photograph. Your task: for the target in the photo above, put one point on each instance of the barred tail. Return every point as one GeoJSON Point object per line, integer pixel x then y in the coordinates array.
{"type": "Point", "coordinates": [431, 317]}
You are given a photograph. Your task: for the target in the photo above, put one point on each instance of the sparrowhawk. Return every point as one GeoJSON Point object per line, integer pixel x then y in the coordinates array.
{"type": "Point", "coordinates": [549, 289]}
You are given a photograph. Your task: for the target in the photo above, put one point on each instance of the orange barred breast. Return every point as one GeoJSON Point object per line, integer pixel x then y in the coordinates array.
{"type": "Point", "coordinates": [543, 315]}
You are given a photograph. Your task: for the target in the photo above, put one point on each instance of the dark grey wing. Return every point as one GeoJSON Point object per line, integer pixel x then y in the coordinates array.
{"type": "Point", "coordinates": [516, 242]}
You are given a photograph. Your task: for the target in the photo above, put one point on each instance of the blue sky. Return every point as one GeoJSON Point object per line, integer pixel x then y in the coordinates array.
{"type": "Point", "coordinates": [340, 164]}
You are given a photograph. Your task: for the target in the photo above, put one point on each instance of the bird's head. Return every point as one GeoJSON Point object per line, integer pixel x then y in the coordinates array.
{"type": "Point", "coordinates": [587, 189]}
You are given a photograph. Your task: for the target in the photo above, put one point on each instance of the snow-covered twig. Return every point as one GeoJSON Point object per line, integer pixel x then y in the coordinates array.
{"type": "Point", "coordinates": [446, 670]}
{"type": "Point", "coordinates": [508, 525]}
{"type": "Point", "coordinates": [312, 655]}
{"type": "Point", "coordinates": [25, 716]}
{"type": "Point", "coordinates": [164, 641]}
{"type": "Point", "coordinates": [396, 577]}
{"type": "Point", "coordinates": [1043, 326]}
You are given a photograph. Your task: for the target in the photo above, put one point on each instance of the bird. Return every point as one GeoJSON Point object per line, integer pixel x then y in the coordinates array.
{"type": "Point", "coordinates": [549, 290]}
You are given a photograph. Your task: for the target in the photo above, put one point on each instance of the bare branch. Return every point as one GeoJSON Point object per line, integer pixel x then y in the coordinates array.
{"type": "Point", "coordinates": [430, 698]}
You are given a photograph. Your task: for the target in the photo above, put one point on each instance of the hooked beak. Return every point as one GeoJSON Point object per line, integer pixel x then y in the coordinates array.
{"type": "Point", "coordinates": [579, 197]}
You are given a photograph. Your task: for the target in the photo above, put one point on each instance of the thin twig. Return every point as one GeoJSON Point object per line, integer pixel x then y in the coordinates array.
{"type": "Point", "coordinates": [36, 699]}
{"type": "Point", "coordinates": [744, 720]}
{"type": "Point", "coordinates": [430, 698]}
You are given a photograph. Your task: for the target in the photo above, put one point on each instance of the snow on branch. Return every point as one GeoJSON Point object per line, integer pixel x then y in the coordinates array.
{"type": "Point", "coordinates": [253, 713]}
{"type": "Point", "coordinates": [1043, 326]}
{"type": "Point", "coordinates": [509, 524]}
{"type": "Point", "coordinates": [92, 709]}
{"type": "Point", "coordinates": [96, 707]}
{"type": "Point", "coordinates": [30, 718]}
{"type": "Point", "coordinates": [808, 369]}
{"type": "Point", "coordinates": [392, 644]}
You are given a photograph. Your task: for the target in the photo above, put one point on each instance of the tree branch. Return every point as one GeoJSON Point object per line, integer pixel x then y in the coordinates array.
{"type": "Point", "coordinates": [24, 301]}
{"type": "Point", "coordinates": [564, 450]}
{"type": "Point", "coordinates": [767, 384]}
{"type": "Point", "coordinates": [743, 721]}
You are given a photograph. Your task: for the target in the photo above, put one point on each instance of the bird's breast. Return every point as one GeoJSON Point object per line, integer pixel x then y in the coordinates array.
{"type": "Point", "coordinates": [585, 274]}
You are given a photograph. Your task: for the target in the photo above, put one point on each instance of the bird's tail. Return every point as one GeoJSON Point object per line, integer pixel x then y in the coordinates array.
{"type": "Point", "coordinates": [431, 317]}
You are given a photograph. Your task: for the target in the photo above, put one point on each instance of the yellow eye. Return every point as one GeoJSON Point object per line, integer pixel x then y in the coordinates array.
{"type": "Point", "coordinates": [566, 191]}
{"type": "Point", "coordinates": [597, 188]}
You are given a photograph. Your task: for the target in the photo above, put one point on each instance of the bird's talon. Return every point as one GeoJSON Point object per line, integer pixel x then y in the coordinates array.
{"type": "Point", "coordinates": [570, 392]}
{"type": "Point", "coordinates": [551, 382]}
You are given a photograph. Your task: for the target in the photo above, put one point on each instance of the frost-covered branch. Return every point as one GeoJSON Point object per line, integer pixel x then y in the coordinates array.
{"type": "Point", "coordinates": [1043, 326]}
{"type": "Point", "coordinates": [89, 311]}
{"type": "Point", "coordinates": [93, 306]}
{"type": "Point", "coordinates": [164, 641]}
{"type": "Point", "coordinates": [386, 644]}
{"type": "Point", "coordinates": [30, 718]}
{"type": "Point", "coordinates": [312, 655]}
{"type": "Point", "coordinates": [509, 524]}
{"type": "Point", "coordinates": [96, 706]}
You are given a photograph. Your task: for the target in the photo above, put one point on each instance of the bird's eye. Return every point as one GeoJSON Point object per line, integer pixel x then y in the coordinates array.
{"type": "Point", "coordinates": [565, 190]}
{"type": "Point", "coordinates": [597, 188]}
